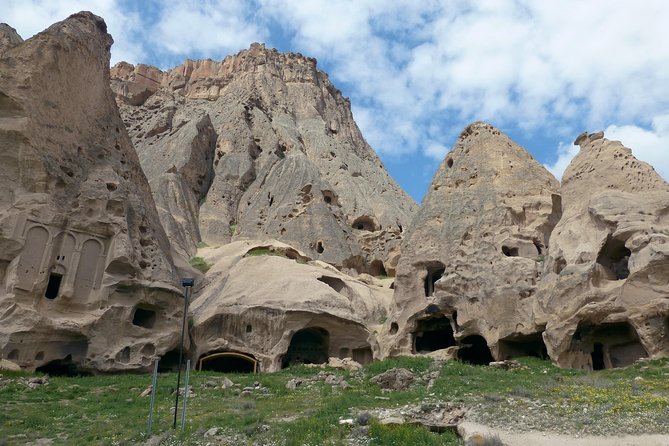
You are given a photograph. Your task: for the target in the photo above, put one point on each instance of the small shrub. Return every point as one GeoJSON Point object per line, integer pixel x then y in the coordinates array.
{"type": "Point", "coordinates": [200, 264]}
{"type": "Point", "coordinates": [233, 229]}
{"type": "Point", "coordinates": [202, 245]}
{"type": "Point", "coordinates": [265, 252]}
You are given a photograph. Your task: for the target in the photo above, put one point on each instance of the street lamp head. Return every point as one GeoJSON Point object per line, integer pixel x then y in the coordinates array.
{"type": "Point", "coordinates": [187, 282]}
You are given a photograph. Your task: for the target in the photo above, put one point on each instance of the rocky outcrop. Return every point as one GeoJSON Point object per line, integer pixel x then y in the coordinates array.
{"type": "Point", "coordinates": [87, 278]}
{"type": "Point", "coordinates": [9, 38]}
{"type": "Point", "coordinates": [266, 303]}
{"type": "Point", "coordinates": [261, 144]}
{"type": "Point", "coordinates": [604, 293]}
{"type": "Point", "coordinates": [473, 257]}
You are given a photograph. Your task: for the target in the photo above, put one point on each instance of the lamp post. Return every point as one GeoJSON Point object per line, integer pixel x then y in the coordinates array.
{"type": "Point", "coordinates": [187, 284]}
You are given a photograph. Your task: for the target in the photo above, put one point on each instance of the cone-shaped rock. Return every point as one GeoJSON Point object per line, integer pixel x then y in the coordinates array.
{"type": "Point", "coordinates": [471, 261]}
{"type": "Point", "coordinates": [82, 251]}
{"type": "Point", "coordinates": [9, 38]}
{"type": "Point", "coordinates": [262, 144]}
{"type": "Point", "coordinates": [604, 296]}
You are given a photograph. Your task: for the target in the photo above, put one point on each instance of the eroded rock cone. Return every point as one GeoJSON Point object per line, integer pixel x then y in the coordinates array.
{"type": "Point", "coordinates": [88, 280]}
{"type": "Point", "coordinates": [604, 295]}
{"type": "Point", "coordinates": [474, 254]}
{"type": "Point", "coordinates": [261, 145]}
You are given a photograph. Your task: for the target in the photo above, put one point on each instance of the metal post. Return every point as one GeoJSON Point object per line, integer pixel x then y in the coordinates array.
{"type": "Point", "coordinates": [183, 411]}
{"type": "Point", "coordinates": [187, 283]}
{"type": "Point", "coordinates": [153, 394]}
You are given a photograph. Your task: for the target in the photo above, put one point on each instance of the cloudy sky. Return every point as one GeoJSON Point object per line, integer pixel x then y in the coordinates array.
{"type": "Point", "coordinates": [417, 72]}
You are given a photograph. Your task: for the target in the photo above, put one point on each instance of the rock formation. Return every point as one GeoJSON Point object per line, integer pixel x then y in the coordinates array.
{"type": "Point", "coordinates": [474, 254]}
{"type": "Point", "coordinates": [261, 145]}
{"type": "Point", "coordinates": [604, 295]}
{"type": "Point", "coordinates": [267, 302]}
{"type": "Point", "coordinates": [85, 267]}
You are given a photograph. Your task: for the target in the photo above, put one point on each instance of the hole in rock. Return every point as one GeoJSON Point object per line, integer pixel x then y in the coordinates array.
{"type": "Point", "coordinates": [308, 346]}
{"type": "Point", "coordinates": [319, 247]}
{"type": "Point", "coordinates": [609, 345]}
{"type": "Point", "coordinates": [39, 356]}
{"type": "Point", "coordinates": [474, 350]}
{"type": "Point", "coordinates": [432, 334]}
{"type": "Point", "coordinates": [169, 362]}
{"type": "Point", "coordinates": [333, 282]}
{"type": "Point", "coordinates": [614, 256]}
{"type": "Point", "coordinates": [53, 286]}
{"type": "Point", "coordinates": [364, 223]}
{"type": "Point", "coordinates": [434, 273]}
{"type": "Point", "coordinates": [377, 269]}
{"type": "Point", "coordinates": [510, 252]}
{"type": "Point", "coordinates": [394, 327]}
{"type": "Point", "coordinates": [249, 328]}
{"type": "Point", "coordinates": [597, 356]}
{"type": "Point", "coordinates": [523, 345]}
{"type": "Point", "coordinates": [228, 362]}
{"type": "Point", "coordinates": [62, 367]}
{"type": "Point", "coordinates": [363, 355]}
{"type": "Point", "coordinates": [449, 162]}
{"type": "Point", "coordinates": [144, 317]}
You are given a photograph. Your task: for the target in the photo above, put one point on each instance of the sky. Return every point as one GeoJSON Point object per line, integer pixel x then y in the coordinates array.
{"type": "Point", "coordinates": [418, 72]}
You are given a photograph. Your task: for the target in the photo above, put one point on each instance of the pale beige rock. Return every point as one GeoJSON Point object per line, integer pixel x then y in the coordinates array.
{"type": "Point", "coordinates": [606, 281]}
{"type": "Point", "coordinates": [473, 256]}
{"type": "Point", "coordinates": [283, 309]}
{"type": "Point", "coordinates": [9, 365]}
{"type": "Point", "coordinates": [82, 250]}
{"type": "Point", "coordinates": [283, 158]}
{"type": "Point", "coordinates": [9, 38]}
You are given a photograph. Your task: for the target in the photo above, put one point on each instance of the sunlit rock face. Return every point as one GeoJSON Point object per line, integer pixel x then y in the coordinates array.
{"type": "Point", "coordinates": [259, 145]}
{"type": "Point", "coordinates": [604, 296]}
{"type": "Point", "coordinates": [473, 257]}
{"type": "Point", "coordinates": [87, 277]}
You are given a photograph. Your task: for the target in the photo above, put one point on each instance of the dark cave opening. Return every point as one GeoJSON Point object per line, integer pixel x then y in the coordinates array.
{"type": "Point", "coordinates": [307, 346]}
{"type": "Point", "coordinates": [228, 362]}
{"type": "Point", "coordinates": [523, 345]}
{"type": "Point", "coordinates": [474, 350]}
{"type": "Point", "coordinates": [432, 334]}
{"type": "Point", "coordinates": [62, 367]}
{"type": "Point", "coordinates": [614, 256]}
{"type": "Point", "coordinates": [53, 286]}
{"type": "Point", "coordinates": [434, 273]}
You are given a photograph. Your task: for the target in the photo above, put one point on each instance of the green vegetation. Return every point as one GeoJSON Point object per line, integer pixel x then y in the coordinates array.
{"type": "Point", "coordinates": [200, 263]}
{"type": "Point", "coordinates": [108, 410]}
{"type": "Point", "coordinates": [202, 245]}
{"type": "Point", "coordinates": [265, 252]}
{"type": "Point", "coordinates": [233, 229]}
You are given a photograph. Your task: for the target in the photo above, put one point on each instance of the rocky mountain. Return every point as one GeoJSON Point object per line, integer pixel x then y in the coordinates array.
{"type": "Point", "coordinates": [82, 251]}
{"type": "Point", "coordinates": [261, 145]}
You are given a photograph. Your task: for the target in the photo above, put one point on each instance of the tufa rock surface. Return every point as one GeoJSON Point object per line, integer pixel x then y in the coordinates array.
{"type": "Point", "coordinates": [604, 292]}
{"type": "Point", "coordinates": [87, 280]}
{"type": "Point", "coordinates": [474, 254]}
{"type": "Point", "coordinates": [260, 145]}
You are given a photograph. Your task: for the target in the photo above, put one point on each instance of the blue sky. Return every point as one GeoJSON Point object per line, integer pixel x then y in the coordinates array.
{"type": "Point", "coordinates": [418, 72]}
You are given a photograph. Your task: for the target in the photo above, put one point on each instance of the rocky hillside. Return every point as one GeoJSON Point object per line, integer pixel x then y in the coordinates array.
{"type": "Point", "coordinates": [261, 145]}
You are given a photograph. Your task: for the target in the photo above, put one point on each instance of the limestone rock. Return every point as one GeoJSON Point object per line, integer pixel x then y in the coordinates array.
{"type": "Point", "coordinates": [606, 280]}
{"type": "Point", "coordinates": [473, 256]}
{"type": "Point", "coordinates": [87, 278]}
{"type": "Point", "coordinates": [279, 156]}
{"type": "Point", "coordinates": [272, 304]}
{"type": "Point", "coordinates": [9, 38]}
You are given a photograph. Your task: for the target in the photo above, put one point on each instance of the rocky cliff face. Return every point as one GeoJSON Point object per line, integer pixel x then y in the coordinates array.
{"type": "Point", "coordinates": [82, 251]}
{"type": "Point", "coordinates": [473, 257]}
{"type": "Point", "coordinates": [262, 144]}
{"type": "Point", "coordinates": [604, 294]}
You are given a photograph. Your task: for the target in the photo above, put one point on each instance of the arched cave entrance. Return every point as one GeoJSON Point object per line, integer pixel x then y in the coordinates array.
{"type": "Point", "coordinates": [308, 346]}
{"type": "Point", "coordinates": [434, 273]}
{"type": "Point", "coordinates": [364, 223]}
{"type": "Point", "coordinates": [609, 345]}
{"type": "Point", "coordinates": [169, 362]}
{"type": "Point", "coordinates": [62, 367]}
{"type": "Point", "coordinates": [614, 257]}
{"type": "Point", "coordinates": [474, 350]}
{"type": "Point", "coordinates": [228, 362]}
{"type": "Point", "coordinates": [523, 345]}
{"type": "Point", "coordinates": [432, 334]}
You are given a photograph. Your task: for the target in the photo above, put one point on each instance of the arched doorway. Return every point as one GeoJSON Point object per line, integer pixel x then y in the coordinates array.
{"type": "Point", "coordinates": [228, 362]}
{"type": "Point", "coordinates": [474, 350]}
{"type": "Point", "coordinates": [308, 346]}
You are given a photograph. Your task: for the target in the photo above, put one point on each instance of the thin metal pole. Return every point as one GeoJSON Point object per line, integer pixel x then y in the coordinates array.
{"type": "Point", "coordinates": [183, 411]}
{"type": "Point", "coordinates": [153, 394]}
{"type": "Point", "coordinates": [181, 351]}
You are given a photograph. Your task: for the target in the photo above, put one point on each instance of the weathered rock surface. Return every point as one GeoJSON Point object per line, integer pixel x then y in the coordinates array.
{"type": "Point", "coordinates": [604, 295]}
{"type": "Point", "coordinates": [87, 280]}
{"type": "Point", "coordinates": [275, 305]}
{"type": "Point", "coordinates": [260, 145]}
{"type": "Point", "coordinates": [472, 258]}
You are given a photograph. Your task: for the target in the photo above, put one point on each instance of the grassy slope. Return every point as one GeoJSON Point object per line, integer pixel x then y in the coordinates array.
{"type": "Point", "coordinates": [108, 410]}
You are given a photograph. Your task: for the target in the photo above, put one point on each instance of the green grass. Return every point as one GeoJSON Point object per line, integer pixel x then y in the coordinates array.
{"type": "Point", "coordinates": [200, 264]}
{"type": "Point", "coordinates": [108, 410]}
{"type": "Point", "coordinates": [265, 252]}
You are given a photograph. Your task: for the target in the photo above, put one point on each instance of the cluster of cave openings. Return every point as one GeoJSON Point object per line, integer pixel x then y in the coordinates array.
{"type": "Point", "coordinates": [228, 362]}
{"type": "Point", "coordinates": [614, 257]}
{"type": "Point", "coordinates": [474, 350]}
{"type": "Point", "coordinates": [144, 317]}
{"type": "Point", "coordinates": [432, 334]}
{"type": "Point", "coordinates": [610, 345]}
{"type": "Point", "coordinates": [434, 273]}
{"type": "Point", "coordinates": [523, 345]}
{"type": "Point", "coordinates": [308, 346]}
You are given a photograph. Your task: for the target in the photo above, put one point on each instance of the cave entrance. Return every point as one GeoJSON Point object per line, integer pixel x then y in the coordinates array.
{"type": "Point", "coordinates": [308, 346]}
{"type": "Point", "coordinates": [434, 273]}
{"type": "Point", "coordinates": [432, 334]}
{"type": "Point", "coordinates": [523, 345]}
{"type": "Point", "coordinates": [53, 286]}
{"type": "Point", "coordinates": [474, 350]}
{"type": "Point", "coordinates": [614, 257]}
{"type": "Point", "coordinates": [62, 367]}
{"type": "Point", "coordinates": [229, 362]}
{"type": "Point", "coordinates": [363, 355]}
{"type": "Point", "coordinates": [169, 362]}
{"type": "Point", "coordinates": [609, 345]}
{"type": "Point", "coordinates": [144, 317]}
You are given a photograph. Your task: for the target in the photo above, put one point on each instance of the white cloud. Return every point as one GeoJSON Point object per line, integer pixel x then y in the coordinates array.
{"type": "Point", "coordinates": [566, 152]}
{"type": "Point", "coordinates": [436, 151]}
